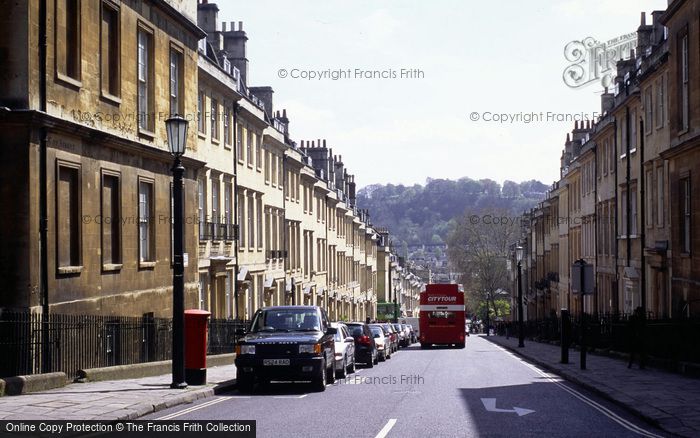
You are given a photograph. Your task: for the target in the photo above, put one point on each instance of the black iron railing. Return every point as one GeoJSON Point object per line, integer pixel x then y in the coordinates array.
{"type": "Point", "coordinates": [31, 344]}
{"type": "Point", "coordinates": [674, 340]}
{"type": "Point", "coordinates": [218, 231]}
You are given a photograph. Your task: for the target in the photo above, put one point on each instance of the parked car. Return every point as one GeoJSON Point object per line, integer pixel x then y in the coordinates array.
{"type": "Point", "coordinates": [407, 334]}
{"type": "Point", "coordinates": [393, 336]}
{"type": "Point", "coordinates": [365, 347]}
{"type": "Point", "coordinates": [344, 350]}
{"type": "Point", "coordinates": [382, 340]}
{"type": "Point", "coordinates": [401, 333]}
{"type": "Point", "coordinates": [286, 343]}
{"type": "Point", "coordinates": [414, 334]}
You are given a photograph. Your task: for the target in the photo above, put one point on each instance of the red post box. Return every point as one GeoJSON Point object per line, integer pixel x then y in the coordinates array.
{"type": "Point", "coordinates": [196, 324]}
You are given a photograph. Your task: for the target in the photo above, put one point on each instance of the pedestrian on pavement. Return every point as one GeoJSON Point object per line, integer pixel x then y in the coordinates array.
{"type": "Point", "coordinates": [637, 328]}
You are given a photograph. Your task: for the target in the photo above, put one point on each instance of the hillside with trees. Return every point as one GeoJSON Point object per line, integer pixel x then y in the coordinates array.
{"type": "Point", "coordinates": [427, 214]}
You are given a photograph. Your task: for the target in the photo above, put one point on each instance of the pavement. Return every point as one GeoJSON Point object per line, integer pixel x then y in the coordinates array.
{"type": "Point", "coordinates": [112, 400]}
{"type": "Point", "coordinates": [669, 401]}
{"type": "Point", "coordinates": [482, 390]}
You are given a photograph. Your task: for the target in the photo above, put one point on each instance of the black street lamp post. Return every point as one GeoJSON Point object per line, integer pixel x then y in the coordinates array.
{"type": "Point", "coordinates": [396, 306]}
{"type": "Point", "coordinates": [521, 328]}
{"type": "Point", "coordinates": [176, 128]}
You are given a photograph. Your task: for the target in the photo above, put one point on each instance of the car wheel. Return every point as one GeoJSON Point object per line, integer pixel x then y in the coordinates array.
{"type": "Point", "coordinates": [351, 368]}
{"type": "Point", "coordinates": [460, 345]}
{"type": "Point", "coordinates": [343, 372]}
{"type": "Point", "coordinates": [244, 384]}
{"type": "Point", "coordinates": [382, 357]}
{"type": "Point", "coordinates": [331, 373]}
{"type": "Point", "coordinates": [370, 362]}
{"type": "Point", "coordinates": [388, 356]}
{"type": "Point", "coordinates": [376, 359]}
{"type": "Point", "coordinates": [320, 381]}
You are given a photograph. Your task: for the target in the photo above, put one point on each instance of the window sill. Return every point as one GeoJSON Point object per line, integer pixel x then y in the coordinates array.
{"type": "Point", "coordinates": [111, 267]}
{"type": "Point", "coordinates": [227, 146]}
{"type": "Point", "coordinates": [67, 80]}
{"type": "Point", "coordinates": [147, 265]}
{"type": "Point", "coordinates": [632, 151]}
{"type": "Point", "coordinates": [146, 133]}
{"type": "Point", "coordinates": [215, 141]}
{"type": "Point", "coordinates": [202, 135]}
{"type": "Point", "coordinates": [67, 270]}
{"type": "Point", "coordinates": [685, 255]}
{"type": "Point", "coordinates": [110, 98]}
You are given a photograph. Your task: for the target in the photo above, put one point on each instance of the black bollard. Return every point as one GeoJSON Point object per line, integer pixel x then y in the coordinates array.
{"type": "Point", "coordinates": [565, 335]}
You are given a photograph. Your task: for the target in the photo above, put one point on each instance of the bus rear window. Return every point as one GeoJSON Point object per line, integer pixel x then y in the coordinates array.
{"type": "Point", "coordinates": [441, 315]}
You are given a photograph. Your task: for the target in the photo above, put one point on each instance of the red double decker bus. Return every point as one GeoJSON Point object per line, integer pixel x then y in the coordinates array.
{"type": "Point", "coordinates": [441, 318]}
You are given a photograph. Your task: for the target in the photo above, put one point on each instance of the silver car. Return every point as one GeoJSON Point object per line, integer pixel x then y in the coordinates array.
{"type": "Point", "coordinates": [344, 350]}
{"type": "Point", "coordinates": [381, 338]}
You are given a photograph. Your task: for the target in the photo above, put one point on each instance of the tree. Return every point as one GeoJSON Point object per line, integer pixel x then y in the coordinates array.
{"type": "Point", "coordinates": [500, 309]}
{"type": "Point", "coordinates": [479, 250]}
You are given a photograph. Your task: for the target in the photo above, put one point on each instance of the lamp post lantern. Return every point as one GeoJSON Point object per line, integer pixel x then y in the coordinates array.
{"type": "Point", "coordinates": [176, 128]}
{"type": "Point", "coordinates": [521, 330]}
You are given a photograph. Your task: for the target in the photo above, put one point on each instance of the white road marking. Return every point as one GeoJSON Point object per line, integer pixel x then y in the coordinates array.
{"type": "Point", "coordinates": [600, 408]}
{"type": "Point", "coordinates": [194, 408]}
{"type": "Point", "coordinates": [387, 427]}
{"type": "Point", "coordinates": [290, 396]}
{"type": "Point", "coordinates": [490, 405]}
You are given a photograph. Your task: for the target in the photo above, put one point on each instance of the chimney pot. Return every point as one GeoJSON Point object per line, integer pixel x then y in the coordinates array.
{"type": "Point", "coordinates": [223, 26]}
{"type": "Point", "coordinates": [324, 142]}
{"type": "Point", "coordinates": [240, 25]}
{"type": "Point", "coordinates": [644, 18]}
{"type": "Point", "coordinates": [302, 143]}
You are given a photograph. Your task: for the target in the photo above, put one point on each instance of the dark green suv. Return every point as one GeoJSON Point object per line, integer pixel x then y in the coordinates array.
{"type": "Point", "coordinates": [286, 343]}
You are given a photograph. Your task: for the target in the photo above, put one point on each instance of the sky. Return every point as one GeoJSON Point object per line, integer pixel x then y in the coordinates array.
{"type": "Point", "coordinates": [464, 62]}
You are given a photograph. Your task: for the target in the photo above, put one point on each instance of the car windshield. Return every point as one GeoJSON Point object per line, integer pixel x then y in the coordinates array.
{"type": "Point", "coordinates": [355, 330]}
{"type": "Point", "coordinates": [377, 330]}
{"type": "Point", "coordinates": [286, 320]}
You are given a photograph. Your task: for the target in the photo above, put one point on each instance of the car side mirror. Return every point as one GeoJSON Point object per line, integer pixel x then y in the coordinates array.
{"type": "Point", "coordinates": [331, 330]}
{"type": "Point", "coordinates": [240, 332]}
{"type": "Point", "coordinates": [349, 339]}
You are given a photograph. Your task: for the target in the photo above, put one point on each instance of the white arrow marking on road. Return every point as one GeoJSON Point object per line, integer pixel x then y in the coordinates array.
{"type": "Point", "coordinates": [490, 405]}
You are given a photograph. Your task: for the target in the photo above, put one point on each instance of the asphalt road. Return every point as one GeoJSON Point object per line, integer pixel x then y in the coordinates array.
{"type": "Point", "coordinates": [480, 391]}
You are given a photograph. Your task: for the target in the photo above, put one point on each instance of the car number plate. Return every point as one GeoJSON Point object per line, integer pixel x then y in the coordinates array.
{"type": "Point", "coordinates": [272, 362]}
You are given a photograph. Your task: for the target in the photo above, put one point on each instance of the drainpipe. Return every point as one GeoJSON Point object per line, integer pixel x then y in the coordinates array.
{"type": "Point", "coordinates": [616, 296]}
{"type": "Point", "coordinates": [43, 201]}
{"type": "Point", "coordinates": [288, 249]}
{"type": "Point", "coordinates": [595, 241]}
{"type": "Point", "coordinates": [628, 206]}
{"type": "Point", "coordinates": [236, 108]}
{"type": "Point", "coordinates": [642, 190]}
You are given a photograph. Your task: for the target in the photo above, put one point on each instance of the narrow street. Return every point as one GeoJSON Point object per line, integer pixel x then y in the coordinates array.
{"type": "Point", "coordinates": [482, 390]}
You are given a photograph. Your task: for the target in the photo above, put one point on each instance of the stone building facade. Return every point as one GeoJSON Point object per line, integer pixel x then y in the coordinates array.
{"type": "Point", "coordinates": [87, 172]}
{"type": "Point", "coordinates": [628, 179]}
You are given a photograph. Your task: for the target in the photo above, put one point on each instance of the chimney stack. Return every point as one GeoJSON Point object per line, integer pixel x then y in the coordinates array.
{"type": "Point", "coordinates": [208, 21]}
{"type": "Point", "coordinates": [235, 42]}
